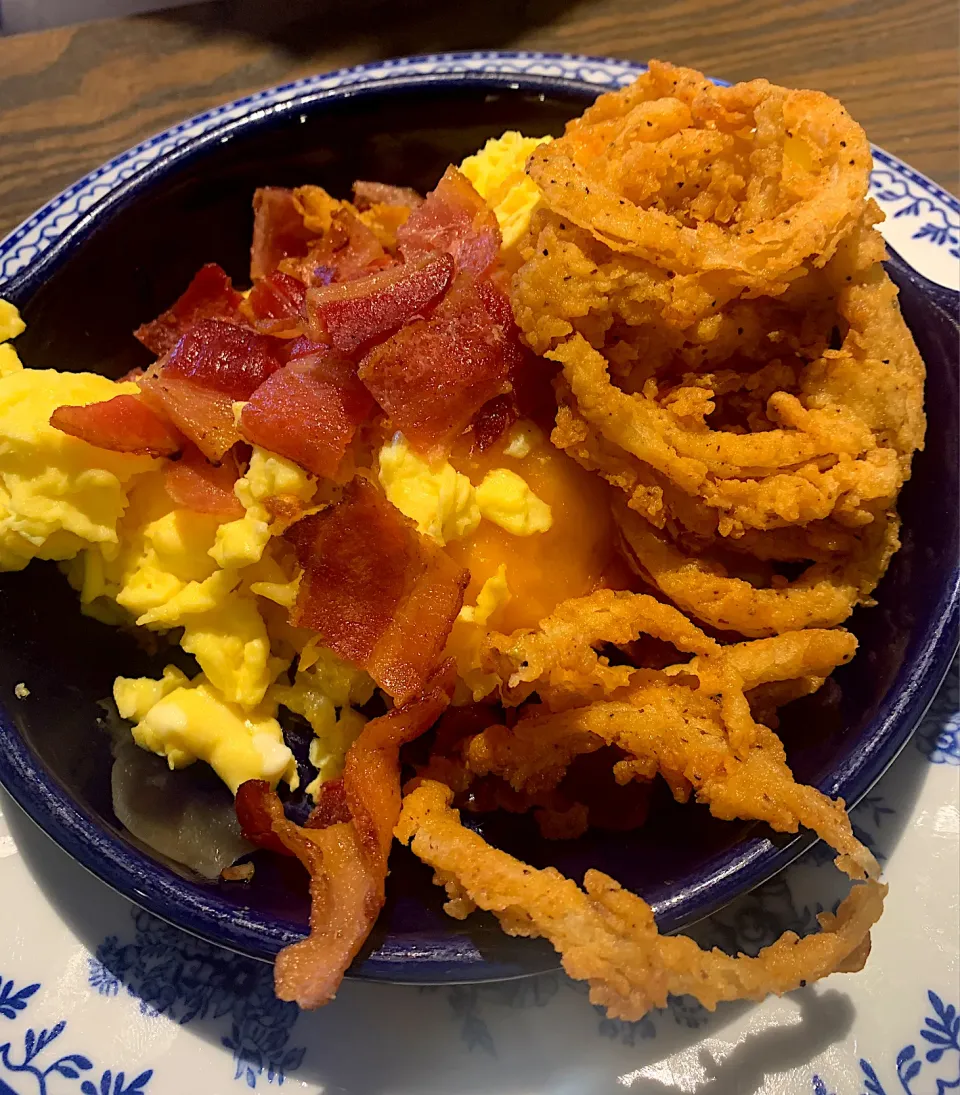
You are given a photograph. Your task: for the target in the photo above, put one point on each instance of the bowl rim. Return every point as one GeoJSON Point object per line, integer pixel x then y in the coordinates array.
{"type": "Point", "coordinates": [48, 237]}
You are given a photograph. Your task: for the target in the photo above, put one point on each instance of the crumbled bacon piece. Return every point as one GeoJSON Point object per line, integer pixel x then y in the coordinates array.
{"type": "Point", "coordinates": [275, 305]}
{"type": "Point", "coordinates": [433, 375]}
{"type": "Point", "coordinates": [492, 420]}
{"type": "Point", "coordinates": [278, 231]}
{"type": "Point", "coordinates": [531, 396]}
{"type": "Point", "coordinates": [210, 295]}
{"type": "Point", "coordinates": [195, 385]}
{"type": "Point", "coordinates": [346, 859]}
{"type": "Point", "coordinates": [122, 424]}
{"type": "Point", "coordinates": [366, 194]}
{"type": "Point", "coordinates": [194, 483]}
{"type": "Point", "coordinates": [309, 410]}
{"type": "Point", "coordinates": [222, 358]}
{"type": "Point", "coordinates": [454, 218]}
{"type": "Point", "coordinates": [379, 594]}
{"type": "Point", "coordinates": [371, 771]}
{"type": "Point", "coordinates": [355, 313]}
{"type": "Point", "coordinates": [256, 820]}
{"type": "Point", "coordinates": [204, 416]}
{"type": "Point", "coordinates": [349, 250]}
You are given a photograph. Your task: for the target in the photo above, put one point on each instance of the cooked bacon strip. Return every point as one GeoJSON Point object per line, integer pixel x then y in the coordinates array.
{"type": "Point", "coordinates": [346, 860]}
{"type": "Point", "coordinates": [196, 384]}
{"type": "Point", "coordinates": [194, 483]}
{"type": "Point", "coordinates": [278, 231]}
{"type": "Point", "coordinates": [366, 194]}
{"type": "Point", "coordinates": [222, 358]}
{"type": "Point", "coordinates": [355, 313]}
{"type": "Point", "coordinates": [349, 250]}
{"type": "Point", "coordinates": [357, 557]}
{"type": "Point", "coordinates": [251, 804]}
{"type": "Point", "coordinates": [204, 416]}
{"type": "Point", "coordinates": [122, 424]}
{"type": "Point", "coordinates": [378, 593]}
{"type": "Point", "coordinates": [309, 410]}
{"type": "Point", "coordinates": [275, 305]}
{"type": "Point", "coordinates": [454, 218]}
{"type": "Point", "coordinates": [331, 805]}
{"type": "Point", "coordinates": [371, 771]}
{"type": "Point", "coordinates": [434, 374]}
{"type": "Point", "coordinates": [492, 420]}
{"type": "Point", "coordinates": [210, 295]}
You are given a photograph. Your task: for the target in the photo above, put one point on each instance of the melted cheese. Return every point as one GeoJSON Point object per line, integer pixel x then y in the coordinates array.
{"type": "Point", "coordinates": [569, 559]}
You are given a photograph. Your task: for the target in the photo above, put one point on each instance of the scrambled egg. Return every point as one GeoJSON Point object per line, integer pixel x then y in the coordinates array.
{"type": "Point", "coordinates": [11, 325]}
{"type": "Point", "coordinates": [325, 691]}
{"type": "Point", "coordinates": [242, 542]}
{"type": "Point", "coordinates": [505, 499]}
{"type": "Point", "coordinates": [186, 721]}
{"type": "Point", "coordinates": [57, 494]}
{"type": "Point", "coordinates": [444, 503]}
{"type": "Point", "coordinates": [497, 173]}
{"type": "Point", "coordinates": [441, 500]}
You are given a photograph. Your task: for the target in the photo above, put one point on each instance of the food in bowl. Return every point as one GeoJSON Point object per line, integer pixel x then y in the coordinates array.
{"type": "Point", "coordinates": [558, 480]}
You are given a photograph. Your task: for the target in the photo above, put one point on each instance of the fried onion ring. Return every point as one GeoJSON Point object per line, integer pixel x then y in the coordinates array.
{"type": "Point", "coordinates": [608, 937]}
{"type": "Point", "coordinates": [823, 596]}
{"type": "Point", "coordinates": [774, 178]}
{"type": "Point", "coordinates": [558, 659]}
{"type": "Point", "coordinates": [680, 733]}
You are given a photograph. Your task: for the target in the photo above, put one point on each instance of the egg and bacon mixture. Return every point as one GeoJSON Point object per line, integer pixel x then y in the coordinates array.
{"type": "Point", "coordinates": [172, 499]}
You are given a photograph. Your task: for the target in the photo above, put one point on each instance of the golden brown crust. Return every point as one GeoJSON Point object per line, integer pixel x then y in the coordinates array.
{"type": "Point", "coordinates": [608, 937]}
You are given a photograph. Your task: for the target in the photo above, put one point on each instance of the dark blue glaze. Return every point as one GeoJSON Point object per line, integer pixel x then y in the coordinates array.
{"type": "Point", "coordinates": [125, 260]}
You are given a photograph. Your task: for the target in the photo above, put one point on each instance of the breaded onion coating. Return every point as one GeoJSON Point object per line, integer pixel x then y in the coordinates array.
{"type": "Point", "coordinates": [823, 596]}
{"type": "Point", "coordinates": [680, 733]}
{"type": "Point", "coordinates": [742, 186]}
{"type": "Point", "coordinates": [558, 660]}
{"type": "Point", "coordinates": [608, 937]}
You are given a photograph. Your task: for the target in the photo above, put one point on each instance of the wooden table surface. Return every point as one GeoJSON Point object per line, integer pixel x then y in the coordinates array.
{"type": "Point", "coordinates": [73, 97]}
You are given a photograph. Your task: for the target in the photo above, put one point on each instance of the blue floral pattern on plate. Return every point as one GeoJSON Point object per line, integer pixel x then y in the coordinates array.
{"type": "Point", "coordinates": [36, 1066]}
{"type": "Point", "coordinates": [941, 1032]}
{"type": "Point", "coordinates": [939, 735]}
{"type": "Point", "coordinates": [905, 193]}
{"type": "Point", "coordinates": [186, 979]}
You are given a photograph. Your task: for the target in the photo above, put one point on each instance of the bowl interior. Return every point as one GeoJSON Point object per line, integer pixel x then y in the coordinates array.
{"type": "Point", "coordinates": [126, 267]}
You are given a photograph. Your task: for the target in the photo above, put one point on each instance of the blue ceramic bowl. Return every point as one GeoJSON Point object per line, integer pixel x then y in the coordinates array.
{"type": "Point", "coordinates": [113, 250]}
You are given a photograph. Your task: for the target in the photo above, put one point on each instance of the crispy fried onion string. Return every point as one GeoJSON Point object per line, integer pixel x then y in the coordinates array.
{"type": "Point", "coordinates": [705, 268]}
{"type": "Point", "coordinates": [764, 480]}
{"type": "Point", "coordinates": [608, 937]}
{"type": "Point", "coordinates": [558, 659]}
{"type": "Point", "coordinates": [824, 595]}
{"type": "Point", "coordinates": [736, 767]}
{"type": "Point", "coordinates": [774, 177]}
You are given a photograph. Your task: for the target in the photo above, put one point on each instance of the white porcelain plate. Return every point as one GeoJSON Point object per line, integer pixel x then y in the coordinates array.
{"type": "Point", "coordinates": [100, 998]}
